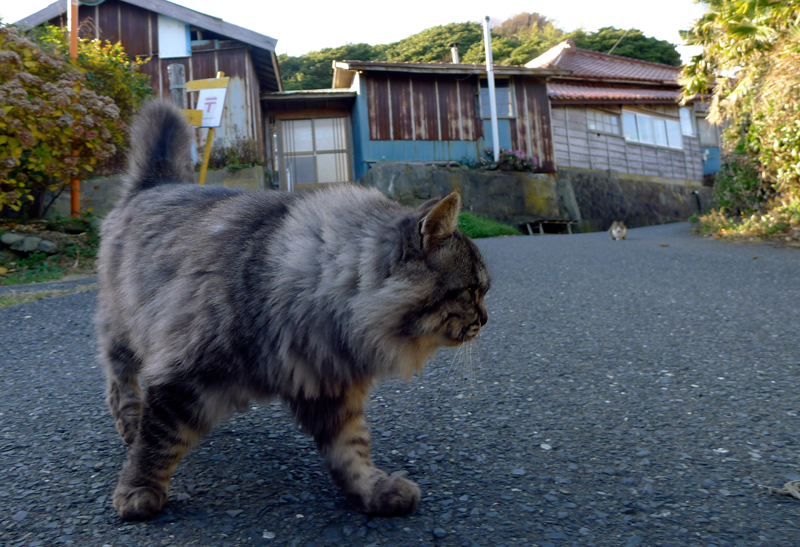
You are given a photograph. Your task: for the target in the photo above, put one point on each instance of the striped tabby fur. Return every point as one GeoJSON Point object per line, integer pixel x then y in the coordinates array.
{"type": "Point", "coordinates": [216, 297]}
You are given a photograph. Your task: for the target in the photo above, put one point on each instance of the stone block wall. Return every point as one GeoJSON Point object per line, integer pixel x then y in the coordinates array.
{"type": "Point", "coordinates": [100, 194]}
{"type": "Point", "coordinates": [502, 196]}
{"type": "Point", "coordinates": [605, 196]}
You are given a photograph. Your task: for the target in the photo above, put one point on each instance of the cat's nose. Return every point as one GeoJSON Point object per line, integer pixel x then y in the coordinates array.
{"type": "Point", "coordinates": [482, 315]}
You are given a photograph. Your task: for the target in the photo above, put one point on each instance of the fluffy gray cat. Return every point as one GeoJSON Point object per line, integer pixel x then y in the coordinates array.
{"type": "Point", "coordinates": [216, 297]}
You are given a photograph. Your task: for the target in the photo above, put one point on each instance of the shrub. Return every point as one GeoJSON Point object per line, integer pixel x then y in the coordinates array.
{"type": "Point", "coordinates": [109, 72]}
{"type": "Point", "coordinates": [53, 127]}
{"type": "Point", "coordinates": [240, 154]}
{"type": "Point", "coordinates": [508, 160]}
{"type": "Point", "coordinates": [737, 186]}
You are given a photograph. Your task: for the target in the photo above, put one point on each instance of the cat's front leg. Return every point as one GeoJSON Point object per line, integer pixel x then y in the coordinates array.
{"type": "Point", "coordinates": [342, 436]}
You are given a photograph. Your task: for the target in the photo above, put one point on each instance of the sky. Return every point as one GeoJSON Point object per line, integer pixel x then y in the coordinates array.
{"type": "Point", "coordinates": [313, 24]}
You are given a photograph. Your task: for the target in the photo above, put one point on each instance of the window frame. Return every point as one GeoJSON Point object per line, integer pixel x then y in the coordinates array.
{"type": "Point", "coordinates": [507, 85]}
{"type": "Point", "coordinates": [650, 119]}
{"type": "Point", "coordinates": [596, 111]}
{"type": "Point", "coordinates": [689, 118]}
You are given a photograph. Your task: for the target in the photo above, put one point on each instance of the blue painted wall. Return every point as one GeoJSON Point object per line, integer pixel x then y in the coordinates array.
{"type": "Point", "coordinates": [366, 151]}
{"type": "Point", "coordinates": [711, 159]}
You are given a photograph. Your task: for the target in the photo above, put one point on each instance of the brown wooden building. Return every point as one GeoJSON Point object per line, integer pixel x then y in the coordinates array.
{"type": "Point", "coordinates": [168, 33]}
{"type": "Point", "coordinates": [407, 112]}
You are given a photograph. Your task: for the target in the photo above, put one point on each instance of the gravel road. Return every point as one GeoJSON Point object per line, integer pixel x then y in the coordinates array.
{"type": "Point", "coordinates": [622, 394]}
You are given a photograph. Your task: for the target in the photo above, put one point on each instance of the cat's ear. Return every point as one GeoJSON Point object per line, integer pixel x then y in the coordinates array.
{"type": "Point", "coordinates": [441, 221]}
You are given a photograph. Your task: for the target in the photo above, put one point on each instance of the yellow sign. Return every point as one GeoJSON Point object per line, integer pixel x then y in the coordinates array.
{"type": "Point", "coordinates": [210, 83]}
{"type": "Point", "coordinates": [194, 117]}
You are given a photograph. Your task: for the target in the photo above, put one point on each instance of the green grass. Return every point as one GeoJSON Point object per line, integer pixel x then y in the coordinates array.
{"type": "Point", "coordinates": [475, 227]}
{"type": "Point", "coordinates": [35, 268]}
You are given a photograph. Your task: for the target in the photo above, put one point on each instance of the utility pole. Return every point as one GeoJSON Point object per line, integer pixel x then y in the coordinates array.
{"type": "Point", "coordinates": [72, 23]}
{"type": "Point", "coordinates": [492, 99]}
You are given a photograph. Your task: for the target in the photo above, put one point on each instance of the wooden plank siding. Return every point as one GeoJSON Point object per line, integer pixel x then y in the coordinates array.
{"type": "Point", "coordinates": [422, 107]}
{"type": "Point", "coordinates": [576, 146]}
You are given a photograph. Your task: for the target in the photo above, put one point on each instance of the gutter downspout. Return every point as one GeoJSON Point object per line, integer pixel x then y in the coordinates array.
{"type": "Point", "coordinates": [492, 99]}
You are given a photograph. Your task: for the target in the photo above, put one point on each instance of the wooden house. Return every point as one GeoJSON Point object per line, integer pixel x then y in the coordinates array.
{"type": "Point", "coordinates": [406, 112]}
{"type": "Point", "coordinates": [611, 112]}
{"type": "Point", "coordinates": [167, 33]}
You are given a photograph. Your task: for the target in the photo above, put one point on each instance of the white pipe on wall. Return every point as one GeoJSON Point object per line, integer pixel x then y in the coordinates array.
{"type": "Point", "coordinates": [490, 77]}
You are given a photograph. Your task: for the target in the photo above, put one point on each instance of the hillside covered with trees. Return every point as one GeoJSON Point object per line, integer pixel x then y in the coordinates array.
{"type": "Point", "coordinates": [515, 41]}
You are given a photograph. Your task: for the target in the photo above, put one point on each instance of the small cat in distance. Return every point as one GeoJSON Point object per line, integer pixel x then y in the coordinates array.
{"type": "Point", "coordinates": [618, 230]}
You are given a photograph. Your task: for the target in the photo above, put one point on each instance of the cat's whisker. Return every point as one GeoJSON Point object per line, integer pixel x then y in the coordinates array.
{"type": "Point", "coordinates": [458, 357]}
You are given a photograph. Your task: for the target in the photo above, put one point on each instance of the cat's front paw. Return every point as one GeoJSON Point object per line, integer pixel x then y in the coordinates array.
{"type": "Point", "coordinates": [138, 503]}
{"type": "Point", "coordinates": [392, 496]}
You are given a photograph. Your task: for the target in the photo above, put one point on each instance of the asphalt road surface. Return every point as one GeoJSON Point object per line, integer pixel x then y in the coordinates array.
{"type": "Point", "coordinates": [623, 394]}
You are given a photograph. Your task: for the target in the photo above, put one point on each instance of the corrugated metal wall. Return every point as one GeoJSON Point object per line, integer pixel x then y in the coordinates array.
{"type": "Point", "coordinates": [404, 107]}
{"type": "Point", "coordinates": [137, 29]}
{"type": "Point", "coordinates": [532, 130]}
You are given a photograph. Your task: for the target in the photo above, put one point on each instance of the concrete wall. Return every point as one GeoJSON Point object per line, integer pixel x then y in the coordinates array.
{"type": "Point", "coordinates": [605, 196]}
{"type": "Point", "coordinates": [100, 194]}
{"type": "Point", "coordinates": [502, 196]}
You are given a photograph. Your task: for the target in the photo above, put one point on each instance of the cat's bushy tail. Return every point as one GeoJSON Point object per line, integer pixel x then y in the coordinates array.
{"type": "Point", "coordinates": [161, 141]}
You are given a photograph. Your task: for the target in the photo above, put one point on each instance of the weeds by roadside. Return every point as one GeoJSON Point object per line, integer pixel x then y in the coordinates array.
{"type": "Point", "coordinates": [780, 222]}
{"type": "Point", "coordinates": [14, 298]}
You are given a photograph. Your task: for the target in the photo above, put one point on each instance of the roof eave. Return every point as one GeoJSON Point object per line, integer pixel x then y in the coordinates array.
{"type": "Point", "coordinates": [445, 68]}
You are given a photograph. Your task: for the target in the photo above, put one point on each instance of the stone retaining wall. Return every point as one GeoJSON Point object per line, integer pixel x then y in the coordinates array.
{"type": "Point", "coordinates": [605, 196]}
{"type": "Point", "coordinates": [502, 196]}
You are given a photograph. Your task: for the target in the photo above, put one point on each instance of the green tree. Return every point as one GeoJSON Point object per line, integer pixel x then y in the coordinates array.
{"type": "Point", "coordinates": [751, 64]}
{"type": "Point", "coordinates": [314, 70]}
{"type": "Point", "coordinates": [431, 45]}
{"type": "Point", "coordinates": [630, 43]}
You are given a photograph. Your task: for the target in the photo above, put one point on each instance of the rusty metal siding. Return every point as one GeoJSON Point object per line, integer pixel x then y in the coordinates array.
{"type": "Point", "coordinates": [232, 61]}
{"type": "Point", "coordinates": [424, 103]}
{"type": "Point", "coordinates": [519, 129]}
{"type": "Point", "coordinates": [448, 109]}
{"type": "Point", "coordinates": [378, 107]}
{"type": "Point", "coordinates": [203, 65]}
{"type": "Point", "coordinates": [108, 20]}
{"type": "Point", "coordinates": [134, 31]}
{"type": "Point", "coordinates": [514, 130]}
{"type": "Point", "coordinates": [422, 107]}
{"type": "Point", "coordinates": [535, 116]}
{"type": "Point", "coordinates": [468, 96]}
{"type": "Point", "coordinates": [400, 100]}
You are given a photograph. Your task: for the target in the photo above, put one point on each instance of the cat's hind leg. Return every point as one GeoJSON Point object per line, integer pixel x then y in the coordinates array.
{"type": "Point", "coordinates": [342, 437]}
{"type": "Point", "coordinates": [123, 392]}
{"type": "Point", "coordinates": [174, 417]}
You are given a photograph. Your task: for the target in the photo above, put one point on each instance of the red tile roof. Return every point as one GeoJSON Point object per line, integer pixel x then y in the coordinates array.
{"type": "Point", "coordinates": [594, 65]}
{"type": "Point", "coordinates": [562, 91]}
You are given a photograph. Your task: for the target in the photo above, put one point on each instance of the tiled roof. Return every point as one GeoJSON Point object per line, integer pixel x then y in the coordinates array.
{"type": "Point", "coordinates": [574, 92]}
{"type": "Point", "coordinates": [592, 64]}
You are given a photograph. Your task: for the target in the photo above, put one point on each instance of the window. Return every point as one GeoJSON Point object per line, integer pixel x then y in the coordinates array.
{"type": "Point", "coordinates": [602, 122]}
{"type": "Point", "coordinates": [315, 151]}
{"type": "Point", "coordinates": [502, 94]}
{"type": "Point", "coordinates": [687, 127]}
{"type": "Point", "coordinates": [651, 130]}
{"type": "Point", "coordinates": [707, 133]}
